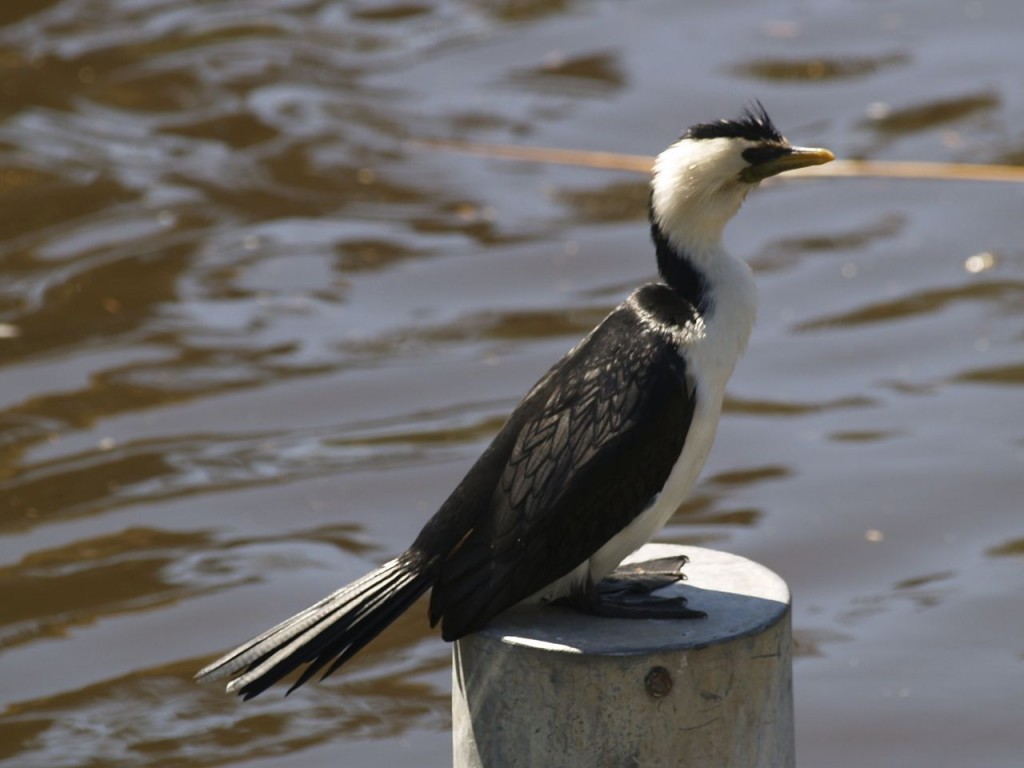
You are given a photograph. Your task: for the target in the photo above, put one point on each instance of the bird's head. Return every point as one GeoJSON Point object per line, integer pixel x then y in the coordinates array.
{"type": "Point", "coordinates": [701, 180]}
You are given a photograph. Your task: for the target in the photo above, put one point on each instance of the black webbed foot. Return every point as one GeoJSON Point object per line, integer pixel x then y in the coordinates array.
{"type": "Point", "coordinates": [626, 592]}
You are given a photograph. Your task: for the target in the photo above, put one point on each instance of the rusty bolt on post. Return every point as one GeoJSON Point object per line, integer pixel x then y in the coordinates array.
{"type": "Point", "coordinates": [658, 682]}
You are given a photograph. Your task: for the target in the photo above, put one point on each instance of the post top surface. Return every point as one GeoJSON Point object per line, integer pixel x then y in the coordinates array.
{"type": "Point", "coordinates": [741, 598]}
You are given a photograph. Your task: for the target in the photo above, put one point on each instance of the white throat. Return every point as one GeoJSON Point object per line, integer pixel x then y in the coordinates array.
{"type": "Point", "coordinates": [695, 191]}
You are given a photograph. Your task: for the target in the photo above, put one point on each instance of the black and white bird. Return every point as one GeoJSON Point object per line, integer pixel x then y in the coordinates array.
{"type": "Point", "coordinates": [597, 456]}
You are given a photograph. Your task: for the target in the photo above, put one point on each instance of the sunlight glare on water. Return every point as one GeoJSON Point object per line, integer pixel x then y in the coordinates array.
{"type": "Point", "coordinates": [251, 337]}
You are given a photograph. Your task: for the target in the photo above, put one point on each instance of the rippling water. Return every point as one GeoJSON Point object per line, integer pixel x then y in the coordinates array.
{"type": "Point", "coordinates": [250, 336]}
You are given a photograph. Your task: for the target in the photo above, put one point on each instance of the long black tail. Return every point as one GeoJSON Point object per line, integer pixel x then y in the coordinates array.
{"type": "Point", "coordinates": [335, 628]}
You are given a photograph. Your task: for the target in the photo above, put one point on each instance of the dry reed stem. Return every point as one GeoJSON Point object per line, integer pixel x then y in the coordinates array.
{"type": "Point", "coordinates": [881, 169]}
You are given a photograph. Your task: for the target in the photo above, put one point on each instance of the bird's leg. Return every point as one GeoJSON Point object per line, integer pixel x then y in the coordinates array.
{"type": "Point", "coordinates": [626, 593]}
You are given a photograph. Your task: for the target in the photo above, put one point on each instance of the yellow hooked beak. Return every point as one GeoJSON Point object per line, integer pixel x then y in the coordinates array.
{"type": "Point", "coordinates": [785, 159]}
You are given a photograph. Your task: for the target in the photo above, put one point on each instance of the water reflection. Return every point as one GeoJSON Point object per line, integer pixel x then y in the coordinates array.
{"type": "Point", "coordinates": [249, 339]}
{"type": "Point", "coordinates": [51, 592]}
{"type": "Point", "coordinates": [819, 67]}
{"type": "Point", "coordinates": [619, 201]}
{"type": "Point", "coordinates": [923, 302]}
{"type": "Point", "coordinates": [386, 705]}
{"type": "Point", "coordinates": [864, 436]}
{"type": "Point", "coordinates": [920, 592]}
{"type": "Point", "coordinates": [813, 642]}
{"type": "Point", "coordinates": [1005, 375]}
{"type": "Point", "coordinates": [594, 75]}
{"type": "Point", "coordinates": [931, 114]}
{"type": "Point", "coordinates": [788, 252]}
{"type": "Point", "coordinates": [1013, 548]}
{"type": "Point", "coordinates": [783, 409]}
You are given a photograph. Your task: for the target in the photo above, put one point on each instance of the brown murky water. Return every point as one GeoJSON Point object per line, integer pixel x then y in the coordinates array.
{"type": "Point", "coordinates": [249, 339]}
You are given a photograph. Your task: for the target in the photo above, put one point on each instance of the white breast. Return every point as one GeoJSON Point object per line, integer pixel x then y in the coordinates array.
{"type": "Point", "coordinates": [710, 358]}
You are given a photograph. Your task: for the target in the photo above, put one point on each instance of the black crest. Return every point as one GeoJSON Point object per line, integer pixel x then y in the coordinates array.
{"type": "Point", "coordinates": [753, 125]}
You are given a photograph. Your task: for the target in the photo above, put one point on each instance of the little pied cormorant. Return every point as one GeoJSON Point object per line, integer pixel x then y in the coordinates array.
{"type": "Point", "coordinates": [597, 456]}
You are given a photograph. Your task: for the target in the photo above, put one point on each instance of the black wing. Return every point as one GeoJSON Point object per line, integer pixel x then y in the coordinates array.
{"type": "Point", "coordinates": [580, 458]}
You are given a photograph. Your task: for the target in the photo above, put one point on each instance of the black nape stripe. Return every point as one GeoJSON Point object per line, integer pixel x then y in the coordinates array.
{"type": "Point", "coordinates": [678, 271]}
{"type": "Point", "coordinates": [753, 125]}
